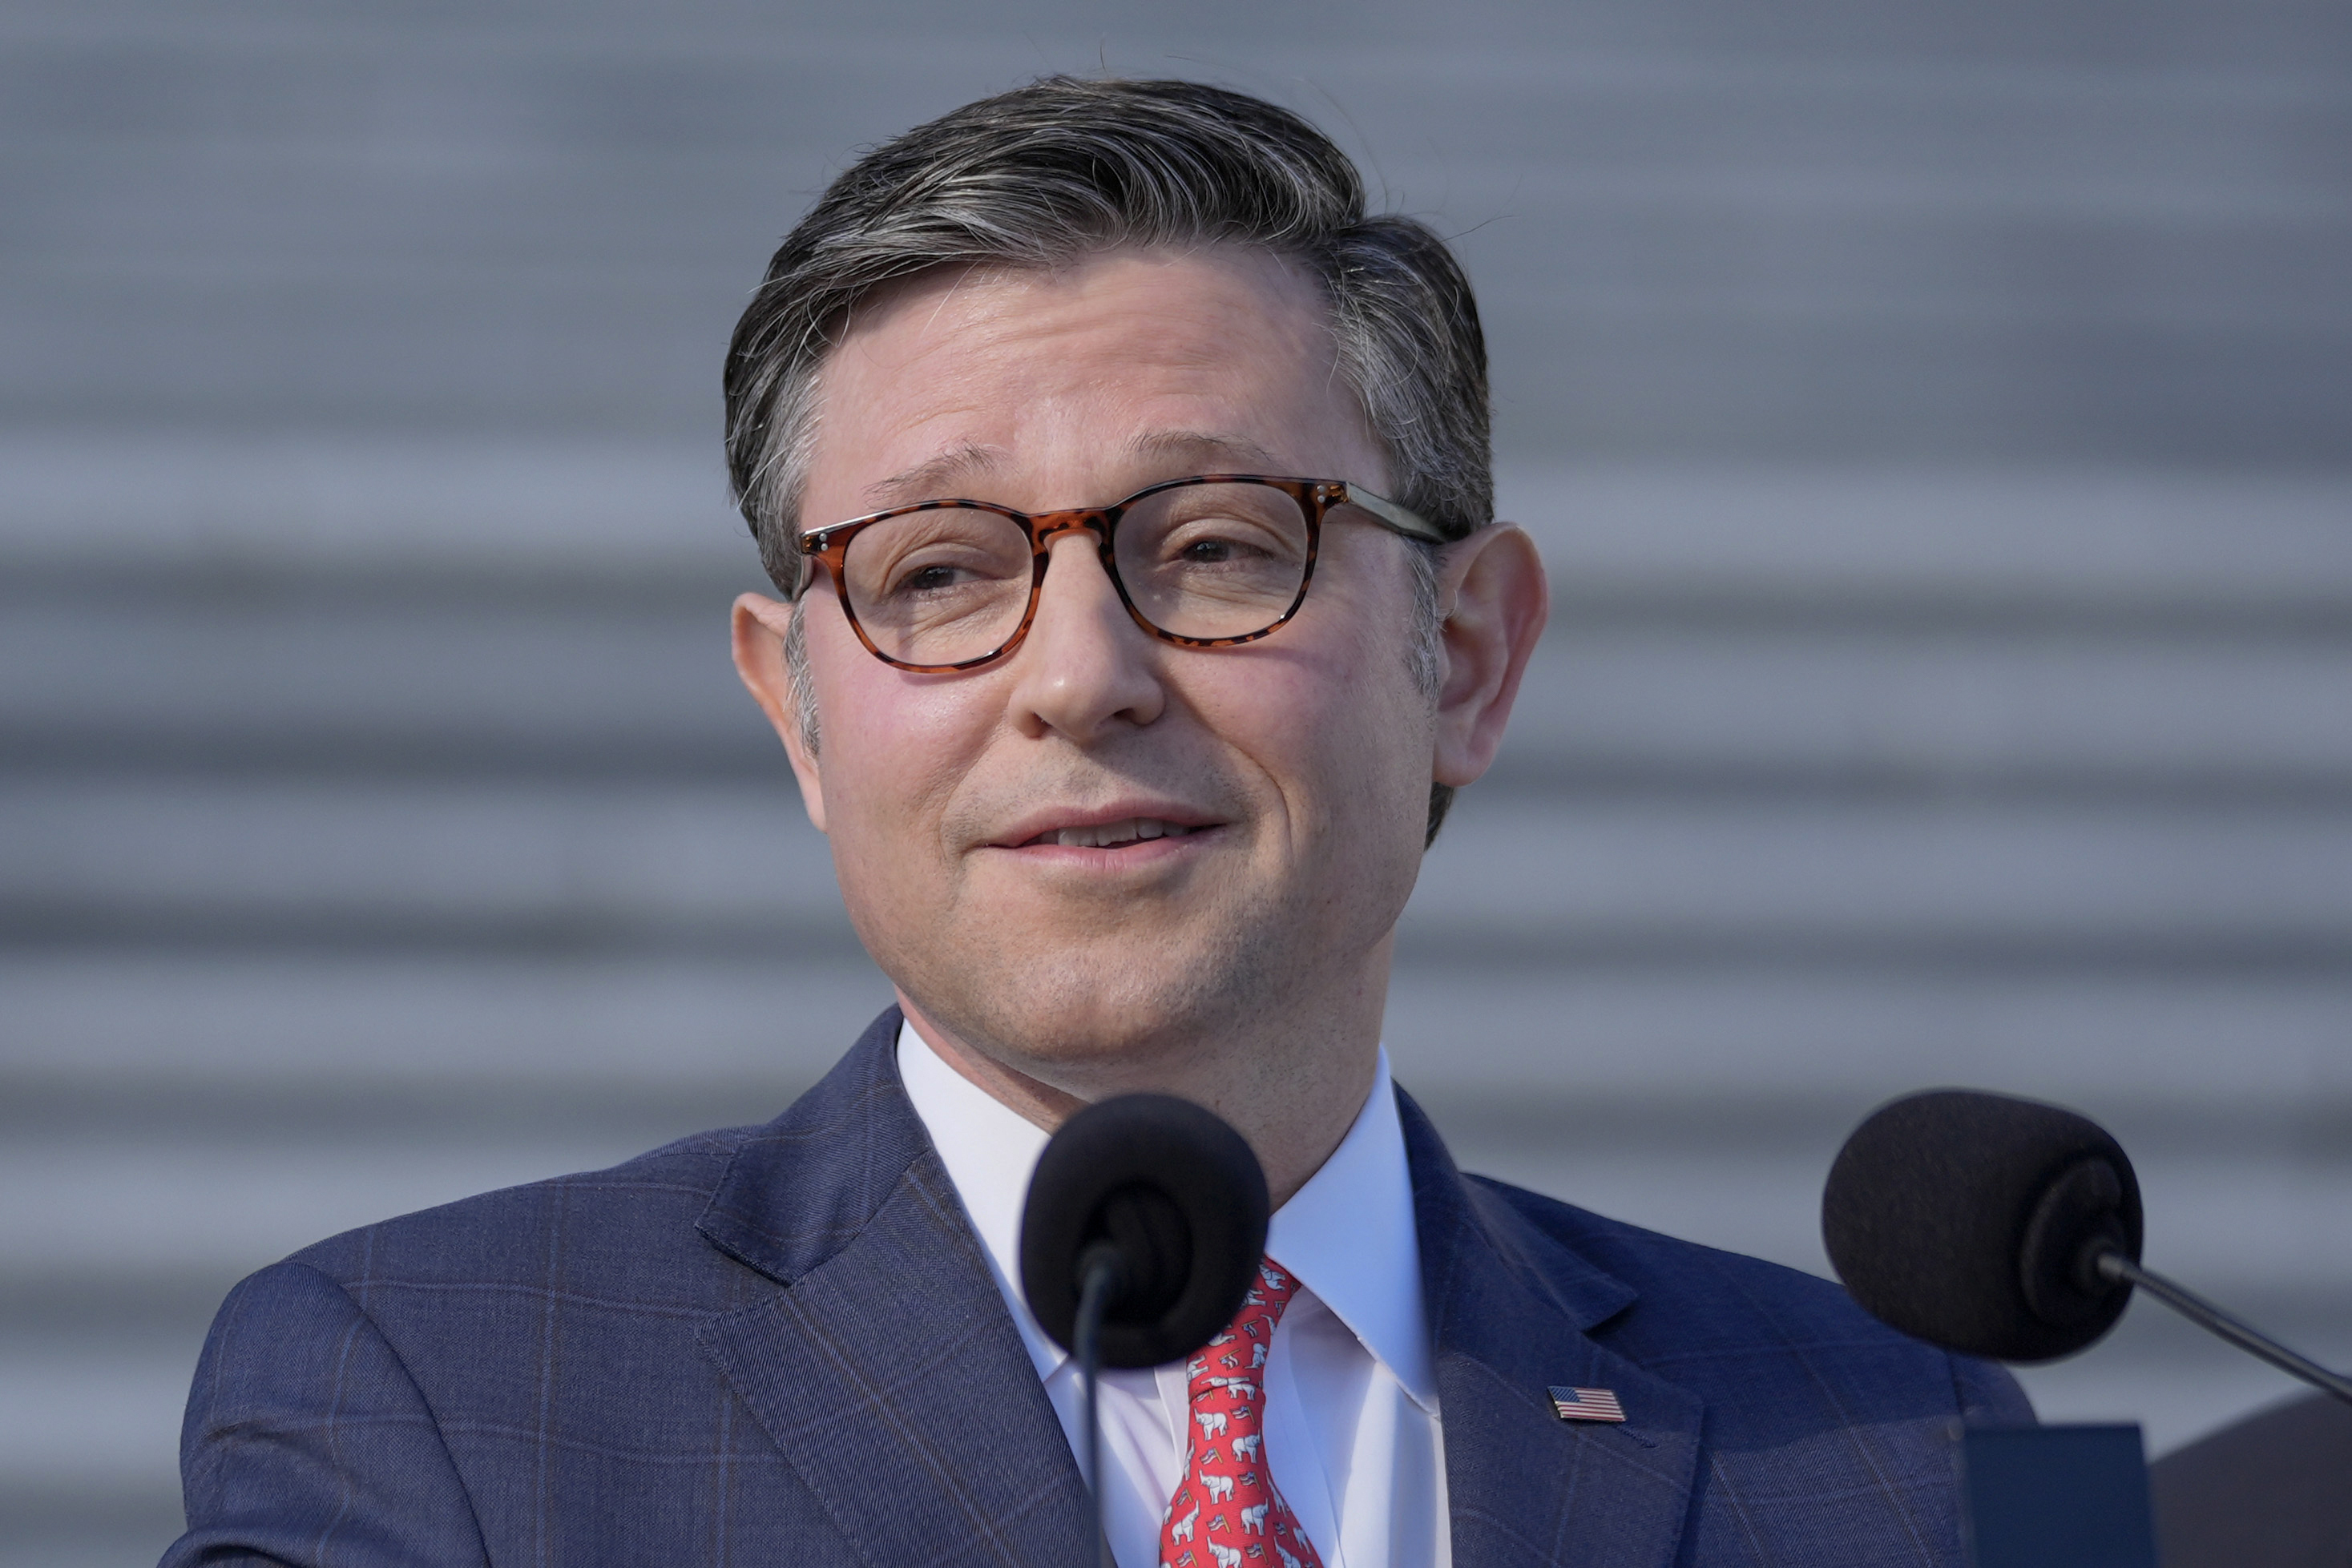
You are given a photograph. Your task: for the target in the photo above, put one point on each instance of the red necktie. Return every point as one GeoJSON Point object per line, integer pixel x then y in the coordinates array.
{"type": "Point", "coordinates": [1226, 1512]}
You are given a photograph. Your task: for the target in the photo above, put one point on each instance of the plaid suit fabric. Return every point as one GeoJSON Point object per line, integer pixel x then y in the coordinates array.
{"type": "Point", "coordinates": [782, 1344]}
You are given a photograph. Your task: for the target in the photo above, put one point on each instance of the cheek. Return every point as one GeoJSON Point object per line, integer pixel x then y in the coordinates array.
{"type": "Point", "coordinates": [1334, 724]}
{"type": "Point", "coordinates": [891, 747]}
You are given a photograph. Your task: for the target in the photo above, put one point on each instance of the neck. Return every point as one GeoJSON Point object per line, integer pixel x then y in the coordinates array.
{"type": "Point", "coordinates": [1292, 1096]}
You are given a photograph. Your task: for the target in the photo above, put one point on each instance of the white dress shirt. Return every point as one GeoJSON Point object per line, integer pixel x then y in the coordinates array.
{"type": "Point", "coordinates": [1352, 1437]}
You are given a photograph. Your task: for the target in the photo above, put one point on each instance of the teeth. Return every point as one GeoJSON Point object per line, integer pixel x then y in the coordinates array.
{"type": "Point", "coordinates": [1108, 833]}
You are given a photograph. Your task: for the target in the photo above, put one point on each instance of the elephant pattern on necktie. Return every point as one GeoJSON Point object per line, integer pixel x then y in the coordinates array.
{"type": "Point", "coordinates": [1253, 1527]}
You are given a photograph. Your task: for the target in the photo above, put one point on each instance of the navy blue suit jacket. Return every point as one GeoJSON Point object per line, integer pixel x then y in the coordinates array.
{"type": "Point", "coordinates": [782, 1344]}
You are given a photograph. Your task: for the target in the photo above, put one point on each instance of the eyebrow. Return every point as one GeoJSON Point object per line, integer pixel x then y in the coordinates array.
{"type": "Point", "coordinates": [934, 476]}
{"type": "Point", "coordinates": [1201, 446]}
{"type": "Point", "coordinates": [927, 479]}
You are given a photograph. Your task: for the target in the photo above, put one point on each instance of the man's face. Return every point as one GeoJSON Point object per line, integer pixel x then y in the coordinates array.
{"type": "Point", "coordinates": [1298, 767]}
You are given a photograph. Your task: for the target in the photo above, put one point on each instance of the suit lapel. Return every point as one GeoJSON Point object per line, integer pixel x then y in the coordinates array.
{"type": "Point", "coordinates": [888, 1370]}
{"type": "Point", "coordinates": [1509, 1308]}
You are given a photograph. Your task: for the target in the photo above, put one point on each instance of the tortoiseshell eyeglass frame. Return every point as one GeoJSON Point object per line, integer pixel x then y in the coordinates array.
{"type": "Point", "coordinates": [1316, 498]}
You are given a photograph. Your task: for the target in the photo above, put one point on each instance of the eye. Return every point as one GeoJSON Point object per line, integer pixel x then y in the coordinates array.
{"type": "Point", "coordinates": [1225, 544]}
{"type": "Point", "coordinates": [931, 578]}
{"type": "Point", "coordinates": [1210, 551]}
{"type": "Point", "coordinates": [936, 553]}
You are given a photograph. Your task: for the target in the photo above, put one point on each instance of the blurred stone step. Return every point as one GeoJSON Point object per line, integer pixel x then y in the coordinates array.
{"type": "Point", "coordinates": [527, 513]}
{"type": "Point", "coordinates": [94, 1418]}
{"type": "Point", "coordinates": [1653, 704]}
{"type": "Point", "coordinates": [391, 863]}
{"type": "Point", "coordinates": [429, 1031]}
{"type": "Point", "coordinates": [2002, 882]}
{"type": "Point", "coordinates": [2245, 1055]}
{"type": "Point", "coordinates": [1932, 544]}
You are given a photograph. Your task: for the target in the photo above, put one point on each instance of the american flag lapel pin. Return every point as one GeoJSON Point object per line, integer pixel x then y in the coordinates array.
{"type": "Point", "coordinates": [1586, 1405]}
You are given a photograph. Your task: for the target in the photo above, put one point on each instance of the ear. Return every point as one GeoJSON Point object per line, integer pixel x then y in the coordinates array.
{"type": "Point", "coordinates": [760, 626]}
{"type": "Point", "coordinates": [1492, 591]}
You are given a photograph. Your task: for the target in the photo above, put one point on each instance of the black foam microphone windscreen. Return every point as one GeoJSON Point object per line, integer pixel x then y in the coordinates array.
{"type": "Point", "coordinates": [1975, 1221]}
{"type": "Point", "coordinates": [1180, 1198]}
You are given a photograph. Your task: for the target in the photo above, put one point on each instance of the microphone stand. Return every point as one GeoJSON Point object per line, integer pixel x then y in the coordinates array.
{"type": "Point", "coordinates": [2113, 1265]}
{"type": "Point", "coordinates": [1101, 1280]}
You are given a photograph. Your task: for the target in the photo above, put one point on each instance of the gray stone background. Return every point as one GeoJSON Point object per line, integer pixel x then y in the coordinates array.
{"type": "Point", "coordinates": [1935, 416]}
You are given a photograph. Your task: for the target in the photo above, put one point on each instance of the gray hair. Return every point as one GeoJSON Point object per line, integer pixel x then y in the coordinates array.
{"type": "Point", "coordinates": [1049, 172]}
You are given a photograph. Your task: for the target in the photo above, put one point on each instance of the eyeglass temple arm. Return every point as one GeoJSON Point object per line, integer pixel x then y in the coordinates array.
{"type": "Point", "coordinates": [1404, 520]}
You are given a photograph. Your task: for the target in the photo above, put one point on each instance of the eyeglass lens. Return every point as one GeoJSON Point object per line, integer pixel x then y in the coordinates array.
{"type": "Point", "coordinates": [951, 583]}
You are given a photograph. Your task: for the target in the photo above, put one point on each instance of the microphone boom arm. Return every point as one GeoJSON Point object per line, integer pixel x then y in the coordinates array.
{"type": "Point", "coordinates": [2114, 1265]}
{"type": "Point", "coordinates": [1101, 1284]}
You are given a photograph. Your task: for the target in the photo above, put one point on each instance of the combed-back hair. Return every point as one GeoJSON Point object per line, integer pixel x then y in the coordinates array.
{"type": "Point", "coordinates": [1062, 168]}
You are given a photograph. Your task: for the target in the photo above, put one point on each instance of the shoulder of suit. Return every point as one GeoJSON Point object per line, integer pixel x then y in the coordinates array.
{"type": "Point", "coordinates": [1676, 1278]}
{"type": "Point", "coordinates": [643, 1206]}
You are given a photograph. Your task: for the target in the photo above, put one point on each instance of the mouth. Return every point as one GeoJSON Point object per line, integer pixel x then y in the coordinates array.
{"type": "Point", "coordinates": [1123, 834]}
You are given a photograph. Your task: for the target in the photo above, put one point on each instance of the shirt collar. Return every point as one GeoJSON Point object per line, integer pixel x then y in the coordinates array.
{"type": "Point", "coordinates": [1348, 1235]}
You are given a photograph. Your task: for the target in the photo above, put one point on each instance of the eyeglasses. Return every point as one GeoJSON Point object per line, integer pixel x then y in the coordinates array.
{"type": "Point", "coordinates": [1209, 561]}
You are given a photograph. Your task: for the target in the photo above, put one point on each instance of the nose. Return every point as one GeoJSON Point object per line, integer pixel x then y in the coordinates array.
{"type": "Point", "coordinates": [1086, 669]}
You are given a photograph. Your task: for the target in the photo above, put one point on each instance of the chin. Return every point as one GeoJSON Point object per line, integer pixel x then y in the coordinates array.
{"type": "Point", "coordinates": [1066, 1022]}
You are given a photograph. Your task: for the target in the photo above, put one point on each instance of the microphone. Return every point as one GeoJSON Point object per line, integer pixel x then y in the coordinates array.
{"type": "Point", "coordinates": [1974, 1221]}
{"type": "Point", "coordinates": [1144, 1225]}
{"type": "Point", "coordinates": [2004, 1227]}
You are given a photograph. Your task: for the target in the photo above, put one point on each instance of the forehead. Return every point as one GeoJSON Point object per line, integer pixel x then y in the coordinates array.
{"type": "Point", "coordinates": [1125, 365]}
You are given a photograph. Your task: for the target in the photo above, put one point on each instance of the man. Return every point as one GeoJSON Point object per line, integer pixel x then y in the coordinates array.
{"type": "Point", "coordinates": [1127, 489]}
